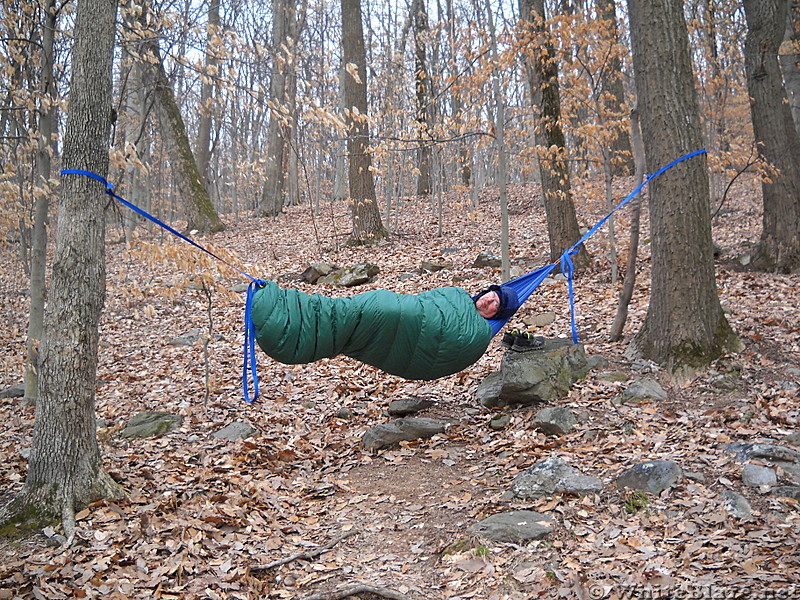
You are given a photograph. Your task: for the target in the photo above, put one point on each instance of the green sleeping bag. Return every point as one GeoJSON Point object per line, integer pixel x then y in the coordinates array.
{"type": "Point", "coordinates": [422, 336]}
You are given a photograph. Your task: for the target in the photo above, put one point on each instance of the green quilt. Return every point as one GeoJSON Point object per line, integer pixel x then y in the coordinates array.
{"type": "Point", "coordinates": [421, 336]}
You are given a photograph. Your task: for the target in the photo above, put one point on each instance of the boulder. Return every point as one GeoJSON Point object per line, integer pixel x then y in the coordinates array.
{"type": "Point", "coordinates": [351, 276]}
{"type": "Point", "coordinates": [486, 259]}
{"type": "Point", "coordinates": [238, 430]}
{"type": "Point", "coordinates": [408, 406]}
{"type": "Point", "coordinates": [514, 526]}
{"type": "Point", "coordinates": [643, 390]}
{"type": "Point", "coordinates": [402, 430]}
{"type": "Point", "coordinates": [553, 476]}
{"type": "Point", "coordinates": [150, 424]}
{"type": "Point", "coordinates": [653, 476]}
{"type": "Point", "coordinates": [555, 420]}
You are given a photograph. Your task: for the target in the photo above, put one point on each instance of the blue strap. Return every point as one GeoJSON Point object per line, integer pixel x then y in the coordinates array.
{"type": "Point", "coordinates": [566, 259]}
{"type": "Point", "coordinates": [249, 335]}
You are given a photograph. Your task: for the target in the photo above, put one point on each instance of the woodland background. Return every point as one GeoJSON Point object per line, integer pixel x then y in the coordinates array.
{"type": "Point", "coordinates": [202, 512]}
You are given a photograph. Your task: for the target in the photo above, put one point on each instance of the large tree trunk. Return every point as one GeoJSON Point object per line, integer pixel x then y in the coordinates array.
{"type": "Point", "coordinates": [685, 328]}
{"type": "Point", "coordinates": [367, 225]}
{"type": "Point", "coordinates": [64, 470]}
{"type": "Point", "coordinates": [46, 146]}
{"type": "Point", "coordinates": [272, 199]}
{"type": "Point", "coordinates": [200, 213]}
{"type": "Point", "coordinates": [422, 84]}
{"type": "Point", "coordinates": [790, 61]}
{"type": "Point", "coordinates": [778, 143]}
{"type": "Point", "coordinates": [562, 224]}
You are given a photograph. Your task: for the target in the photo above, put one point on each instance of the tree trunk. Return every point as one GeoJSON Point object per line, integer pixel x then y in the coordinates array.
{"type": "Point", "coordinates": [685, 328]}
{"type": "Point", "coordinates": [562, 224]}
{"type": "Point", "coordinates": [46, 147]}
{"type": "Point", "coordinates": [778, 143]}
{"type": "Point", "coordinates": [622, 154]}
{"type": "Point", "coordinates": [64, 469]}
{"type": "Point", "coordinates": [367, 225]}
{"type": "Point", "coordinates": [790, 61]}
{"type": "Point", "coordinates": [422, 84]}
{"type": "Point", "coordinates": [200, 213]}
{"type": "Point", "coordinates": [275, 175]}
{"type": "Point", "coordinates": [213, 42]}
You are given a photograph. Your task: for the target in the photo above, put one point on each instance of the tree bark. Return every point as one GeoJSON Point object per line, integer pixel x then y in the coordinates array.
{"type": "Point", "coordinates": [200, 213]}
{"type": "Point", "coordinates": [790, 61]}
{"type": "Point", "coordinates": [64, 469]}
{"type": "Point", "coordinates": [685, 328]}
{"type": "Point", "coordinates": [776, 137]}
{"type": "Point", "coordinates": [542, 69]}
{"type": "Point", "coordinates": [207, 92]}
{"type": "Point", "coordinates": [367, 225]}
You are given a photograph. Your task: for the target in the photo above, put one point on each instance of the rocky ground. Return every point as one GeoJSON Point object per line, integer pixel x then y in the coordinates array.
{"type": "Point", "coordinates": [301, 508]}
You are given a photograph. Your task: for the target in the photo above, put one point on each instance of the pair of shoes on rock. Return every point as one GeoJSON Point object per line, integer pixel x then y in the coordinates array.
{"type": "Point", "coordinates": [522, 341]}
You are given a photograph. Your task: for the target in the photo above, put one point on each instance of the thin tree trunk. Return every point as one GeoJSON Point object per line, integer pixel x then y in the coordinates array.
{"type": "Point", "coordinates": [64, 469]}
{"type": "Point", "coordinates": [207, 85]}
{"type": "Point", "coordinates": [46, 146]}
{"type": "Point", "coordinates": [422, 83]}
{"type": "Point", "coordinates": [790, 61]}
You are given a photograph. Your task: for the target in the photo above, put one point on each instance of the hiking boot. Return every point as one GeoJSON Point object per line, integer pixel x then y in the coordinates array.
{"type": "Point", "coordinates": [509, 337]}
{"type": "Point", "coordinates": [526, 342]}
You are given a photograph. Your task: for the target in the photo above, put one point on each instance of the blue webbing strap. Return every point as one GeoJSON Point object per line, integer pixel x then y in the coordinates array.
{"type": "Point", "coordinates": [566, 259]}
{"type": "Point", "coordinates": [249, 329]}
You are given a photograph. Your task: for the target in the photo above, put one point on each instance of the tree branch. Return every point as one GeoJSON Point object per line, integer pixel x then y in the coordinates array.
{"type": "Point", "coordinates": [360, 588]}
{"type": "Point", "coordinates": [307, 555]}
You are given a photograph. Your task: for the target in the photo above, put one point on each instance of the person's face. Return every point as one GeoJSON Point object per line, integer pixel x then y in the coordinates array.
{"type": "Point", "coordinates": [488, 305]}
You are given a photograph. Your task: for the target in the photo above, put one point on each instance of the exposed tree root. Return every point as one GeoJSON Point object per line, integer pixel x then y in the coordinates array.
{"type": "Point", "coordinates": [354, 590]}
{"type": "Point", "coordinates": [307, 555]}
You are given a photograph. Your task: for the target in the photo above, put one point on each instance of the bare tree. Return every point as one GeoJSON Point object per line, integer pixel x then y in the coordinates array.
{"type": "Point", "coordinates": [65, 470]}
{"type": "Point", "coordinates": [422, 82]}
{"type": "Point", "coordinates": [685, 328]}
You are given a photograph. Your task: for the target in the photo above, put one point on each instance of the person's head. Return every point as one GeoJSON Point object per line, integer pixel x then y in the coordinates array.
{"type": "Point", "coordinates": [497, 302]}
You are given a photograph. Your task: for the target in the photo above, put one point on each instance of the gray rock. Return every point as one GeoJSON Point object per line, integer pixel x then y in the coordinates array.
{"type": "Point", "coordinates": [351, 276]}
{"type": "Point", "coordinates": [515, 526]}
{"type": "Point", "coordinates": [499, 422]}
{"type": "Point", "coordinates": [555, 420]}
{"type": "Point", "coordinates": [316, 270]}
{"type": "Point", "coordinates": [756, 476]}
{"type": "Point", "coordinates": [653, 476]}
{"type": "Point", "coordinates": [408, 406]}
{"type": "Point", "coordinates": [432, 267]}
{"type": "Point", "coordinates": [486, 259]}
{"type": "Point", "coordinates": [787, 459]}
{"type": "Point", "coordinates": [612, 376]}
{"type": "Point", "coordinates": [792, 438]}
{"type": "Point", "coordinates": [540, 320]}
{"type": "Point", "coordinates": [15, 391]}
{"type": "Point", "coordinates": [643, 390]}
{"type": "Point", "coordinates": [787, 491]}
{"type": "Point", "coordinates": [150, 424]}
{"type": "Point", "coordinates": [344, 413]}
{"type": "Point", "coordinates": [596, 362]}
{"type": "Point", "coordinates": [552, 476]}
{"type": "Point", "coordinates": [239, 288]}
{"type": "Point", "coordinates": [400, 430]}
{"type": "Point", "coordinates": [238, 430]}
{"type": "Point", "coordinates": [538, 376]}
{"type": "Point", "coordinates": [191, 337]}
{"type": "Point", "coordinates": [736, 505]}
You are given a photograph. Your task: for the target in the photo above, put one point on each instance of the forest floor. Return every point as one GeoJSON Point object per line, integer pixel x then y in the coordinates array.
{"type": "Point", "coordinates": [203, 514]}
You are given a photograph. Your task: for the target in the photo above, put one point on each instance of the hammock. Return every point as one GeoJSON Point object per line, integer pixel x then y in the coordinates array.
{"type": "Point", "coordinates": [427, 333]}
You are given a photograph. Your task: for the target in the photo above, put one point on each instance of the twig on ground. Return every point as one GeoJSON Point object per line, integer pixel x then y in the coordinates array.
{"type": "Point", "coordinates": [307, 555]}
{"type": "Point", "coordinates": [360, 588]}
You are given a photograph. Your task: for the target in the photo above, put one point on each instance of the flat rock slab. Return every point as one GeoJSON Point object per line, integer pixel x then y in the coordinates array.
{"type": "Point", "coordinates": [238, 430]}
{"type": "Point", "coordinates": [402, 430]}
{"type": "Point", "coordinates": [150, 424]}
{"type": "Point", "coordinates": [553, 476]}
{"type": "Point", "coordinates": [515, 526]}
{"type": "Point", "coordinates": [653, 476]}
{"type": "Point", "coordinates": [408, 406]}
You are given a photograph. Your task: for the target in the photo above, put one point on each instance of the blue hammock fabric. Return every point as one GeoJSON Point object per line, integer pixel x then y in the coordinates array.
{"type": "Point", "coordinates": [520, 288]}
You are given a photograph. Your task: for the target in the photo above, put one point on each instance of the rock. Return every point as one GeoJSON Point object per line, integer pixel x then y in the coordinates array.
{"type": "Point", "coordinates": [736, 505]}
{"type": "Point", "coordinates": [643, 390]}
{"type": "Point", "coordinates": [400, 430]}
{"type": "Point", "coordinates": [316, 270]}
{"type": "Point", "coordinates": [150, 424]}
{"type": "Point", "coordinates": [431, 267]}
{"type": "Point", "coordinates": [344, 413]}
{"type": "Point", "coordinates": [644, 366]}
{"type": "Point", "coordinates": [408, 406]}
{"type": "Point", "coordinates": [515, 526]}
{"type": "Point", "coordinates": [787, 491]}
{"type": "Point", "coordinates": [499, 422]}
{"type": "Point", "coordinates": [792, 438]}
{"type": "Point", "coordinates": [787, 459]}
{"type": "Point", "coordinates": [351, 276]}
{"type": "Point", "coordinates": [596, 362]}
{"type": "Point", "coordinates": [238, 430]}
{"type": "Point", "coordinates": [239, 288]}
{"type": "Point", "coordinates": [653, 476]}
{"type": "Point", "coordinates": [756, 476]}
{"type": "Point", "coordinates": [191, 337]}
{"type": "Point", "coordinates": [15, 391]}
{"type": "Point", "coordinates": [540, 320]}
{"type": "Point", "coordinates": [535, 376]}
{"type": "Point", "coordinates": [486, 259]}
{"type": "Point", "coordinates": [555, 420]}
{"type": "Point", "coordinates": [612, 376]}
{"type": "Point", "coordinates": [553, 476]}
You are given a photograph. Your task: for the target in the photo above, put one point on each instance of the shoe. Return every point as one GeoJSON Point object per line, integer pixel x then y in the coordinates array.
{"type": "Point", "coordinates": [509, 337]}
{"type": "Point", "coordinates": [526, 342]}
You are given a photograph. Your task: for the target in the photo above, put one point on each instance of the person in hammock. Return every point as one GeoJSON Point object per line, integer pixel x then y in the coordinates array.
{"type": "Point", "coordinates": [415, 336]}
